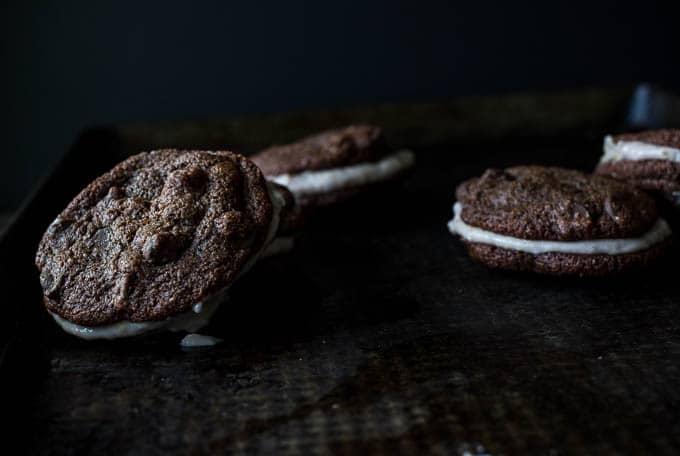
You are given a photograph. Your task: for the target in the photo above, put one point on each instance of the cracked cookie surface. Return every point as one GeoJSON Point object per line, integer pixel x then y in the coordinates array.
{"type": "Point", "coordinates": [160, 232]}
{"type": "Point", "coordinates": [556, 204]}
{"type": "Point", "coordinates": [326, 150]}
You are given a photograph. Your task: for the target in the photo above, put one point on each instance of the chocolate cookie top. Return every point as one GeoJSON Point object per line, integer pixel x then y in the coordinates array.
{"type": "Point", "coordinates": [329, 149]}
{"type": "Point", "coordinates": [152, 237]}
{"type": "Point", "coordinates": [668, 137]}
{"type": "Point", "coordinates": [534, 202]}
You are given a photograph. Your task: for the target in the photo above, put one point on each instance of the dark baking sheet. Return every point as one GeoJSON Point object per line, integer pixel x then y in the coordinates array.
{"type": "Point", "coordinates": [377, 334]}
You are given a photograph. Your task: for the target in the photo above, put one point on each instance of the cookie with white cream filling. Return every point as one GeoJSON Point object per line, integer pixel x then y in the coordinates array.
{"type": "Point", "coordinates": [155, 242]}
{"type": "Point", "coordinates": [557, 221]}
{"type": "Point", "coordinates": [334, 165]}
{"type": "Point", "coordinates": [650, 160]}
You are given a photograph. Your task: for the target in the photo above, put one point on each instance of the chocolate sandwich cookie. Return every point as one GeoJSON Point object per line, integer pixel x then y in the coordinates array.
{"type": "Point", "coordinates": [650, 160]}
{"type": "Point", "coordinates": [155, 243]}
{"type": "Point", "coordinates": [557, 221]}
{"type": "Point", "coordinates": [333, 165]}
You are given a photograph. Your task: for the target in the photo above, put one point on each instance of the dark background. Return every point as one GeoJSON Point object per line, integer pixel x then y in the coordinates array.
{"type": "Point", "coordinates": [71, 64]}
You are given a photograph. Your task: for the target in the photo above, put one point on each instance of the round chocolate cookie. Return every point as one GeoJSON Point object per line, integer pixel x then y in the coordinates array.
{"type": "Point", "coordinates": [155, 241]}
{"type": "Point", "coordinates": [557, 221]}
{"type": "Point", "coordinates": [333, 165]}
{"type": "Point", "coordinates": [649, 160]}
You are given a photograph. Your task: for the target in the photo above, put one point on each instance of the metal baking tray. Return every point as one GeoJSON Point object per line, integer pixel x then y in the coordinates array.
{"type": "Point", "coordinates": [377, 334]}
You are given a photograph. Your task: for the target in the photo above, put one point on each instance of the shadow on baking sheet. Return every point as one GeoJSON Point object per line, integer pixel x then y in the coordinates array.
{"type": "Point", "coordinates": [460, 380]}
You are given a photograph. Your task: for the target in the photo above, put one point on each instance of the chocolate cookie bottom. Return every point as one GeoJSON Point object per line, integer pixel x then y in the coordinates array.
{"type": "Point", "coordinates": [565, 264]}
{"type": "Point", "coordinates": [658, 176]}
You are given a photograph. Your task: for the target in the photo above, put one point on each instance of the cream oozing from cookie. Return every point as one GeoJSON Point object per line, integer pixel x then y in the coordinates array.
{"type": "Point", "coordinates": [328, 180]}
{"type": "Point", "coordinates": [199, 340]}
{"type": "Point", "coordinates": [637, 150]}
{"type": "Point", "coordinates": [190, 321]}
{"type": "Point", "coordinates": [659, 232]}
{"type": "Point", "coordinates": [187, 321]}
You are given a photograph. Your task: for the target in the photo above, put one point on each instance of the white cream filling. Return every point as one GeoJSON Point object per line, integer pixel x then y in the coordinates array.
{"type": "Point", "coordinates": [199, 340]}
{"type": "Point", "coordinates": [657, 233]}
{"type": "Point", "coordinates": [637, 150]}
{"type": "Point", "coordinates": [314, 182]}
{"type": "Point", "coordinates": [187, 321]}
{"type": "Point", "coordinates": [191, 321]}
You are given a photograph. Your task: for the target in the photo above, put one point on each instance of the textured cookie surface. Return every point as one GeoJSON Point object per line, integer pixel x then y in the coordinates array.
{"type": "Point", "coordinates": [542, 203]}
{"type": "Point", "coordinates": [661, 176]}
{"type": "Point", "coordinates": [158, 233]}
{"type": "Point", "coordinates": [666, 137]}
{"type": "Point", "coordinates": [330, 149]}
